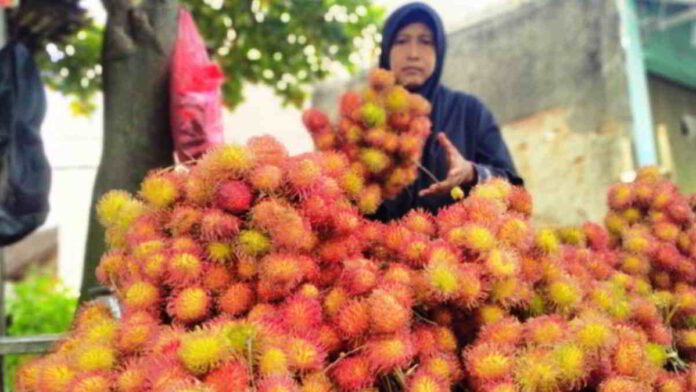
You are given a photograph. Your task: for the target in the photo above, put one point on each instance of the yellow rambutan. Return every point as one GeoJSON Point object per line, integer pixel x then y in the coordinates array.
{"type": "Point", "coordinates": [502, 263]}
{"type": "Point", "coordinates": [304, 354]}
{"type": "Point", "coordinates": [241, 336]}
{"type": "Point", "coordinates": [118, 208]}
{"type": "Point", "coordinates": [573, 364]}
{"type": "Point", "coordinates": [489, 313]}
{"type": "Point", "coordinates": [509, 292]}
{"type": "Point", "coordinates": [473, 237]}
{"type": "Point", "coordinates": [620, 196]}
{"type": "Point", "coordinates": [565, 295]}
{"type": "Point", "coordinates": [184, 268]}
{"type": "Point", "coordinates": [546, 241]}
{"type": "Point", "coordinates": [201, 350]}
{"type": "Point", "coordinates": [423, 381]}
{"type": "Point", "coordinates": [535, 371]}
{"type": "Point", "coordinates": [92, 382]}
{"type": "Point", "coordinates": [375, 160]}
{"type": "Point", "coordinates": [488, 363]}
{"type": "Point", "coordinates": [656, 354]}
{"type": "Point", "coordinates": [55, 375]}
{"type": "Point", "coordinates": [442, 279]}
{"type": "Point", "coordinates": [369, 199]}
{"type": "Point", "coordinates": [189, 304]}
{"type": "Point", "coordinates": [160, 188]}
{"type": "Point", "coordinates": [140, 295]}
{"type": "Point", "coordinates": [131, 377]}
{"type": "Point", "coordinates": [227, 159]}
{"type": "Point", "coordinates": [253, 243]}
{"type": "Point", "coordinates": [273, 362]}
{"type": "Point", "coordinates": [548, 329]}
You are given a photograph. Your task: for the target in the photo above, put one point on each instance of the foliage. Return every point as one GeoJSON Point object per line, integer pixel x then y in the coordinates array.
{"type": "Point", "coordinates": [40, 305]}
{"type": "Point", "coordinates": [287, 45]}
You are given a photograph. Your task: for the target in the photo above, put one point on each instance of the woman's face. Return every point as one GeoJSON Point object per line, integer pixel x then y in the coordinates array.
{"type": "Point", "coordinates": [412, 56]}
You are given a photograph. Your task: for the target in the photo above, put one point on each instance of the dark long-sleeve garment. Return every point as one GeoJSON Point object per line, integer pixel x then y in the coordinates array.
{"type": "Point", "coordinates": [465, 120]}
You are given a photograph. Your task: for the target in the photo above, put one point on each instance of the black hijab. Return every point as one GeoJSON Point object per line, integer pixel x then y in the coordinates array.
{"type": "Point", "coordinates": [468, 124]}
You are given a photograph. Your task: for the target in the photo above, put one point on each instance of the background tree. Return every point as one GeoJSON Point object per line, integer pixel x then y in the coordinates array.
{"type": "Point", "coordinates": [287, 45]}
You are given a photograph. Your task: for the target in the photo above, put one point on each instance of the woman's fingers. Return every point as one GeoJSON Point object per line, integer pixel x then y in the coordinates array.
{"type": "Point", "coordinates": [437, 187]}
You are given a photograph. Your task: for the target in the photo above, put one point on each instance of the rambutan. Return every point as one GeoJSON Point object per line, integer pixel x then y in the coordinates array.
{"type": "Point", "coordinates": [388, 353]}
{"type": "Point", "coordinates": [253, 243]}
{"type": "Point", "coordinates": [353, 318]}
{"type": "Point", "coordinates": [353, 373]}
{"type": "Point", "coordinates": [545, 330]}
{"type": "Point", "coordinates": [622, 384]}
{"type": "Point", "coordinates": [375, 137]}
{"type": "Point", "coordinates": [267, 178]}
{"type": "Point", "coordinates": [91, 357]}
{"type": "Point", "coordinates": [488, 363]}
{"type": "Point", "coordinates": [135, 331]}
{"type": "Point", "coordinates": [236, 299]}
{"type": "Point", "coordinates": [375, 160]}
{"type": "Point", "coordinates": [620, 196]}
{"type": "Point", "coordinates": [233, 196]}
{"type": "Point", "coordinates": [281, 267]}
{"type": "Point", "coordinates": [387, 314]}
{"type": "Point", "coordinates": [183, 269]}
{"type": "Point", "coordinates": [573, 364]}
{"type": "Point", "coordinates": [507, 332]}
{"type": "Point", "coordinates": [546, 241]}
{"type": "Point", "coordinates": [199, 188]}
{"type": "Point", "coordinates": [315, 120]}
{"type": "Point", "coordinates": [489, 313]}
{"type": "Point", "coordinates": [418, 105]}
{"type": "Point", "coordinates": [217, 225]}
{"type": "Point", "coordinates": [247, 267]}
{"type": "Point", "coordinates": [140, 295]}
{"type": "Point", "coordinates": [381, 79]}
{"type": "Point", "coordinates": [304, 354]}
{"type": "Point", "coordinates": [472, 237]}
{"type": "Point", "coordinates": [301, 314]}
{"type": "Point", "coordinates": [565, 295]}
{"type": "Point", "coordinates": [502, 263]}
{"type": "Point", "coordinates": [109, 267]}
{"type": "Point", "coordinates": [202, 350]}
{"type": "Point", "coordinates": [228, 159]}
{"type": "Point", "coordinates": [232, 376]}
{"type": "Point", "coordinates": [189, 305]}
{"type": "Point", "coordinates": [349, 102]}
{"type": "Point", "coordinates": [656, 354]}
{"type": "Point", "coordinates": [316, 382]}
{"type": "Point", "coordinates": [131, 377]}
{"type": "Point", "coordinates": [334, 300]}
{"type": "Point", "coordinates": [118, 208]}
{"type": "Point", "coordinates": [267, 150]}
{"type": "Point", "coordinates": [615, 223]}
{"type": "Point", "coordinates": [369, 199]}
{"type": "Point", "coordinates": [442, 279]}
{"type": "Point", "coordinates": [92, 382]}
{"type": "Point", "coordinates": [535, 370]}
{"type": "Point", "coordinates": [328, 338]}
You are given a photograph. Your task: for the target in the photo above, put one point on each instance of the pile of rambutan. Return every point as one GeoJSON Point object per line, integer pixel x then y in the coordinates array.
{"type": "Point", "coordinates": [254, 270]}
{"type": "Point", "coordinates": [380, 135]}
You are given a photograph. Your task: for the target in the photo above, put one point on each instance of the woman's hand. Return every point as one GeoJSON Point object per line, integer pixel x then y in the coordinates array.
{"type": "Point", "coordinates": [460, 171]}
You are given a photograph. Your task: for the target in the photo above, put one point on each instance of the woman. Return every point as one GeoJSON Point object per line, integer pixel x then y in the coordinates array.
{"type": "Point", "coordinates": [467, 148]}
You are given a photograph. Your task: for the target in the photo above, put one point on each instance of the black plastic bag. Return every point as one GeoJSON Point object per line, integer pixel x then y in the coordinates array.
{"type": "Point", "coordinates": [25, 175]}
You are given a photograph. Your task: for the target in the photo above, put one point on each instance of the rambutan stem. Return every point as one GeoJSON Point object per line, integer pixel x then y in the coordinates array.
{"type": "Point", "coordinates": [431, 322]}
{"type": "Point", "coordinates": [250, 364]}
{"type": "Point", "coordinates": [341, 356]}
{"type": "Point", "coordinates": [400, 378]}
{"type": "Point", "coordinates": [426, 171]}
{"type": "Point", "coordinates": [412, 369]}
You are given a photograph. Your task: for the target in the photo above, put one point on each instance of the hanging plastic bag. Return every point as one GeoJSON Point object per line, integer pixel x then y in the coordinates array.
{"type": "Point", "coordinates": [25, 175]}
{"type": "Point", "coordinates": [196, 103]}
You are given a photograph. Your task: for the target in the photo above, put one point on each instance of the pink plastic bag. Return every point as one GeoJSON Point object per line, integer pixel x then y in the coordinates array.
{"type": "Point", "coordinates": [196, 103]}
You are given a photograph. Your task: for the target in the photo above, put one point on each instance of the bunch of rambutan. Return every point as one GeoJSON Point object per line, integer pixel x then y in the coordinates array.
{"type": "Point", "coordinates": [380, 133]}
{"type": "Point", "coordinates": [255, 270]}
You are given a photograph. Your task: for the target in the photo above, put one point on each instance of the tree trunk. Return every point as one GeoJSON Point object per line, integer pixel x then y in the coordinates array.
{"type": "Point", "coordinates": [136, 58]}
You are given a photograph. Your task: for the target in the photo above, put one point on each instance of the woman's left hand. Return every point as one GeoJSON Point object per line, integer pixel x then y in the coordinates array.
{"type": "Point", "coordinates": [460, 170]}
